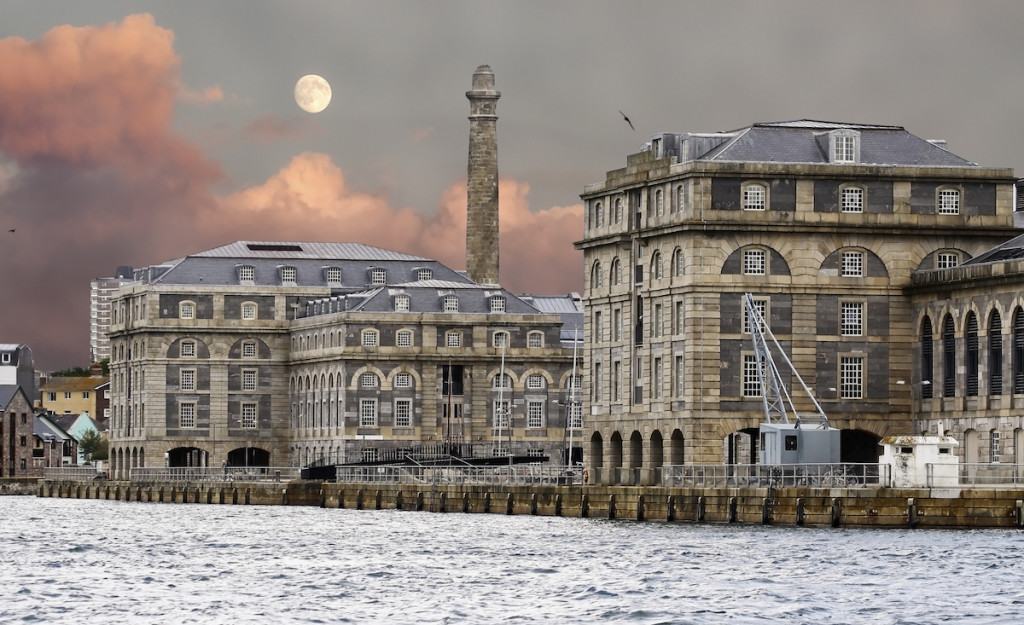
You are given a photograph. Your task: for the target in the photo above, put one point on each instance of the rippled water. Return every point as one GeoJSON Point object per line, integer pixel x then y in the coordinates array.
{"type": "Point", "coordinates": [88, 561]}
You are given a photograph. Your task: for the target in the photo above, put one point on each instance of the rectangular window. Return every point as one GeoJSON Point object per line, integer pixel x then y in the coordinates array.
{"type": "Point", "coordinates": [248, 379]}
{"type": "Point", "coordinates": [576, 414]}
{"type": "Point", "coordinates": [188, 380]}
{"type": "Point", "coordinates": [369, 454]}
{"type": "Point", "coordinates": [851, 377]}
{"type": "Point", "coordinates": [402, 303]}
{"type": "Point", "coordinates": [248, 312]}
{"type": "Point", "coordinates": [403, 413]}
{"type": "Point", "coordinates": [617, 324]}
{"type": "Point", "coordinates": [424, 274]}
{"type": "Point", "coordinates": [534, 382]}
{"type": "Point", "coordinates": [679, 376]}
{"type": "Point", "coordinates": [597, 382]}
{"type": "Point", "coordinates": [249, 415]}
{"type": "Point", "coordinates": [947, 260]}
{"type": "Point", "coordinates": [403, 339]}
{"type": "Point", "coordinates": [851, 318]}
{"type": "Point", "coordinates": [451, 303]}
{"type": "Point", "coordinates": [754, 262]}
{"type": "Point", "coordinates": [751, 382]}
{"type": "Point", "coordinates": [852, 264]}
{"type": "Point", "coordinates": [845, 149]}
{"type": "Point", "coordinates": [535, 414]}
{"type": "Point", "coordinates": [85, 394]}
{"type": "Point", "coordinates": [188, 349]}
{"type": "Point", "coordinates": [754, 197]}
{"type": "Point", "coordinates": [853, 200]}
{"type": "Point", "coordinates": [656, 374]}
{"type": "Point", "coordinates": [453, 339]}
{"type": "Point", "coordinates": [598, 327]}
{"type": "Point", "coordinates": [497, 304]}
{"type": "Point", "coordinates": [187, 310]}
{"type": "Point", "coordinates": [761, 306]}
{"type": "Point", "coordinates": [249, 349]}
{"type": "Point", "coordinates": [378, 276]}
{"type": "Point", "coordinates": [53, 396]}
{"type": "Point", "coordinates": [187, 415]}
{"type": "Point", "coordinates": [535, 340]}
{"type": "Point", "coordinates": [616, 380]}
{"type": "Point", "coordinates": [501, 339]}
{"type": "Point", "coordinates": [333, 275]}
{"type": "Point", "coordinates": [369, 338]}
{"type": "Point", "coordinates": [67, 395]}
{"type": "Point", "coordinates": [949, 202]}
{"type": "Point", "coordinates": [501, 413]}
{"type": "Point", "coordinates": [368, 380]}
{"type": "Point", "coordinates": [288, 275]}
{"type": "Point", "coordinates": [246, 274]}
{"type": "Point", "coordinates": [367, 413]}
{"type": "Point", "coordinates": [658, 322]}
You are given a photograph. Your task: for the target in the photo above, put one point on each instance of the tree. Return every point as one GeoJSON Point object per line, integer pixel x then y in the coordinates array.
{"type": "Point", "coordinates": [93, 446]}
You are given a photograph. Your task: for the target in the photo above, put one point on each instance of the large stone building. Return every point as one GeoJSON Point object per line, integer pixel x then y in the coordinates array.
{"type": "Point", "coordinates": [266, 353]}
{"type": "Point", "coordinates": [825, 224]}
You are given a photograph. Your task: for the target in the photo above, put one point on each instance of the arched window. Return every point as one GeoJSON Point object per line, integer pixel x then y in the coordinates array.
{"type": "Point", "coordinates": [948, 357]}
{"type": "Point", "coordinates": [501, 339]}
{"type": "Point", "coordinates": [659, 202]}
{"type": "Point", "coordinates": [680, 198]}
{"type": "Point", "coordinates": [596, 280]}
{"type": "Point", "coordinates": [755, 196]}
{"type": "Point", "coordinates": [615, 276]}
{"type": "Point", "coordinates": [656, 269]}
{"type": "Point", "coordinates": [535, 340]}
{"type": "Point", "coordinates": [926, 358]}
{"type": "Point", "coordinates": [677, 262]}
{"type": "Point", "coordinates": [971, 340]}
{"type": "Point", "coordinates": [598, 215]}
{"type": "Point", "coordinates": [502, 380]}
{"type": "Point", "coordinates": [370, 338]}
{"type": "Point", "coordinates": [618, 210]}
{"type": "Point", "coordinates": [995, 354]}
{"type": "Point", "coordinates": [1018, 351]}
{"type": "Point", "coordinates": [368, 380]}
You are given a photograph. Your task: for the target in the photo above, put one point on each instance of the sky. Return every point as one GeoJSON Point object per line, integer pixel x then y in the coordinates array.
{"type": "Point", "coordinates": [133, 133]}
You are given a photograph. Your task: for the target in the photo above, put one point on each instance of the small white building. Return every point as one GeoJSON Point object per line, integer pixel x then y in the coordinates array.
{"type": "Point", "coordinates": [909, 458]}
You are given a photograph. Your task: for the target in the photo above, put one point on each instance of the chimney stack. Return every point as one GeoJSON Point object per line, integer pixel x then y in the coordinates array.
{"type": "Point", "coordinates": [482, 181]}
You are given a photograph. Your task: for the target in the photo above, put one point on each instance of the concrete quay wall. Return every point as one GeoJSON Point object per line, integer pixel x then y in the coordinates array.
{"type": "Point", "coordinates": [821, 507]}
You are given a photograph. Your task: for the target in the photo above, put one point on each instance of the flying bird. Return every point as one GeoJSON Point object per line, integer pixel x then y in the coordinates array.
{"type": "Point", "coordinates": [12, 230]}
{"type": "Point", "coordinates": [627, 121]}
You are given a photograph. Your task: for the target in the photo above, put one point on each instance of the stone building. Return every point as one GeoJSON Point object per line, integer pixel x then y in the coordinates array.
{"type": "Point", "coordinates": [17, 391]}
{"type": "Point", "coordinates": [825, 224]}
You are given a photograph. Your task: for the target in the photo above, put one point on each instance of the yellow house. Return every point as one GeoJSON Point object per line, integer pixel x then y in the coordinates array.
{"type": "Point", "coordinates": [76, 395]}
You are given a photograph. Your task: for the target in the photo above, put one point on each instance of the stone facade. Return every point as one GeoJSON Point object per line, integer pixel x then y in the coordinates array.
{"type": "Point", "coordinates": [824, 224]}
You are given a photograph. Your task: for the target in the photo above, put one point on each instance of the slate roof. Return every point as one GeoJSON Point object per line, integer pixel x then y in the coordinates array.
{"type": "Point", "coordinates": [569, 307]}
{"type": "Point", "coordinates": [7, 393]}
{"type": "Point", "coordinates": [57, 384]}
{"type": "Point", "coordinates": [806, 141]}
{"type": "Point", "coordinates": [219, 266]}
{"type": "Point", "coordinates": [1011, 250]}
{"type": "Point", "coordinates": [424, 297]}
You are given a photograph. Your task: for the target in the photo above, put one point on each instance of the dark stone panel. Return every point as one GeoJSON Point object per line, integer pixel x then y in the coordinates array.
{"type": "Point", "coordinates": [733, 265]}
{"type": "Point", "coordinates": [922, 198]}
{"type": "Point", "coordinates": [879, 198]}
{"type": "Point", "coordinates": [202, 414]}
{"type": "Point", "coordinates": [783, 195]}
{"type": "Point", "coordinates": [777, 264]}
{"type": "Point", "coordinates": [262, 349]}
{"type": "Point", "coordinates": [877, 316]}
{"type": "Point", "coordinates": [725, 194]}
{"type": "Point", "coordinates": [826, 196]}
{"type": "Point", "coordinates": [169, 305]}
{"type": "Point", "coordinates": [978, 199]}
{"type": "Point", "coordinates": [780, 313]}
{"type": "Point", "coordinates": [874, 267]}
{"type": "Point", "coordinates": [233, 306]}
{"type": "Point", "coordinates": [174, 350]}
{"type": "Point", "coordinates": [826, 307]}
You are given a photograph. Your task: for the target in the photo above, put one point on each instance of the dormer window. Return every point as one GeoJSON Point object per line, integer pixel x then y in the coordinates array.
{"type": "Point", "coordinates": [378, 276]}
{"type": "Point", "coordinates": [402, 303]}
{"type": "Point", "coordinates": [333, 276]}
{"type": "Point", "coordinates": [497, 304]}
{"type": "Point", "coordinates": [246, 274]}
{"type": "Point", "coordinates": [288, 275]}
{"type": "Point", "coordinates": [451, 303]}
{"type": "Point", "coordinates": [424, 274]}
{"type": "Point", "coordinates": [844, 146]}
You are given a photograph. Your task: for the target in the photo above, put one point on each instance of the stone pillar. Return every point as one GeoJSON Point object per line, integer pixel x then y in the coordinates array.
{"type": "Point", "coordinates": [482, 181]}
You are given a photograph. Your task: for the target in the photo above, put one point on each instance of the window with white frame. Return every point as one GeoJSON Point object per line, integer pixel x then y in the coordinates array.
{"type": "Point", "coordinates": [249, 415]}
{"type": "Point", "coordinates": [535, 340]}
{"type": "Point", "coordinates": [187, 349]}
{"type": "Point", "coordinates": [852, 264]}
{"type": "Point", "coordinates": [618, 210]}
{"type": "Point", "coordinates": [497, 304]}
{"type": "Point", "coordinates": [502, 380]}
{"type": "Point", "coordinates": [845, 146]}
{"type": "Point", "coordinates": [658, 321]}
{"type": "Point", "coordinates": [761, 304]}
{"type": "Point", "coordinates": [248, 379]}
{"type": "Point", "coordinates": [501, 339]}
{"type": "Point", "coordinates": [246, 274]}
{"type": "Point", "coordinates": [424, 274]}
{"type": "Point", "coordinates": [598, 214]}
{"type": "Point", "coordinates": [451, 303]}
{"type": "Point", "coordinates": [367, 413]}
{"type": "Point", "coordinates": [249, 349]}
{"type": "Point", "coordinates": [949, 201]}
{"type": "Point", "coordinates": [576, 414]}
{"type": "Point", "coordinates": [851, 318]}
{"type": "Point", "coordinates": [52, 396]}
{"type": "Point", "coordinates": [187, 310]}
{"type": "Point", "coordinates": [187, 381]}
{"type": "Point", "coordinates": [403, 380]}
{"type": "Point", "coordinates": [369, 454]}
{"type": "Point", "coordinates": [369, 380]}
{"type": "Point", "coordinates": [535, 414]}
{"type": "Point", "coordinates": [403, 338]}
{"type": "Point", "coordinates": [403, 413]}
{"type": "Point", "coordinates": [402, 303]}
{"type": "Point", "coordinates": [656, 377]}
{"type": "Point", "coordinates": [248, 311]}
{"type": "Point", "coordinates": [755, 197]}
{"type": "Point", "coordinates": [851, 377]}
{"type": "Point", "coordinates": [453, 339]}
{"type": "Point", "coordinates": [993, 446]}
{"type": "Point", "coordinates": [370, 338]}
{"type": "Point", "coordinates": [288, 276]}
{"type": "Point", "coordinates": [659, 202]}
{"type": "Point", "coordinates": [67, 395]}
{"type": "Point", "coordinates": [501, 413]}
{"type": "Point", "coordinates": [333, 275]}
{"type": "Point", "coordinates": [751, 381]}
{"type": "Point", "coordinates": [754, 262]}
{"type": "Point", "coordinates": [947, 260]}
{"type": "Point", "coordinates": [187, 415]}
{"type": "Point", "coordinates": [535, 381]}
{"type": "Point", "coordinates": [851, 200]}
{"type": "Point", "coordinates": [378, 275]}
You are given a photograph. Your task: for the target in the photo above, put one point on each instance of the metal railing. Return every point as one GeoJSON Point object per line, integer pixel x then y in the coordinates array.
{"type": "Point", "coordinates": [975, 474]}
{"type": "Point", "coordinates": [516, 475]}
{"type": "Point", "coordinates": [74, 474]}
{"type": "Point", "coordinates": [211, 474]}
{"type": "Point", "coordinates": [846, 475]}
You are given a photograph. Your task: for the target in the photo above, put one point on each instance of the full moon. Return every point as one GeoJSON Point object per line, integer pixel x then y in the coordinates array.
{"type": "Point", "coordinates": [312, 93]}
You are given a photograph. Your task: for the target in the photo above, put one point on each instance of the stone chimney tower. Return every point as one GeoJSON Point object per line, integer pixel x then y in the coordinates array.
{"type": "Point", "coordinates": [482, 183]}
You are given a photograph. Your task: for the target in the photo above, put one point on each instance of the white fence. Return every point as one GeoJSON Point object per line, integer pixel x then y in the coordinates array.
{"type": "Point", "coordinates": [74, 474]}
{"type": "Point", "coordinates": [845, 475]}
{"type": "Point", "coordinates": [981, 475]}
{"type": "Point", "coordinates": [516, 475]}
{"type": "Point", "coordinates": [211, 474]}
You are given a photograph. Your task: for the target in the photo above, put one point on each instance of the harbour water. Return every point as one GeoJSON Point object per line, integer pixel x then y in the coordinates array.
{"type": "Point", "coordinates": [75, 561]}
